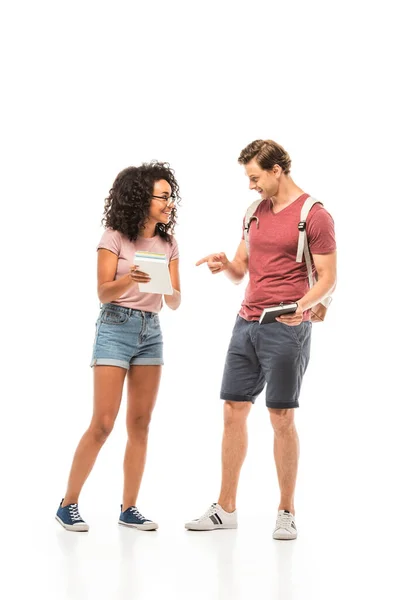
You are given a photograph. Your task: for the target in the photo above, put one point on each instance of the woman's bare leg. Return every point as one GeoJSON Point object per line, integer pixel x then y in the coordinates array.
{"type": "Point", "coordinates": [143, 384]}
{"type": "Point", "coordinates": [108, 386]}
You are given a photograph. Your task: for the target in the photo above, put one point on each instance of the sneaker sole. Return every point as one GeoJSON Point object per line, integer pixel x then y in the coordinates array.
{"type": "Point", "coordinates": [80, 528]}
{"type": "Point", "coordinates": [144, 527]}
{"type": "Point", "coordinates": [195, 527]}
{"type": "Point", "coordinates": [282, 536]}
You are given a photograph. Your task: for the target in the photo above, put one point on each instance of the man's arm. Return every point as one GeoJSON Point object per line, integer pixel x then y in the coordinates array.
{"type": "Point", "coordinates": [235, 270]}
{"type": "Point", "coordinates": [325, 265]}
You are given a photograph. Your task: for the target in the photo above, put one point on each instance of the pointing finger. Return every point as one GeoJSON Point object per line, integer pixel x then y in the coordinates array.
{"type": "Point", "coordinates": [202, 261]}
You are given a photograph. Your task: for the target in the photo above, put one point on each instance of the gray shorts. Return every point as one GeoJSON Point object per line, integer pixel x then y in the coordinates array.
{"type": "Point", "coordinates": [273, 353]}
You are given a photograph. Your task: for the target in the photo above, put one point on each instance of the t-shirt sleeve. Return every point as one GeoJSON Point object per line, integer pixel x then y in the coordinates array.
{"type": "Point", "coordinates": [111, 240]}
{"type": "Point", "coordinates": [321, 232]}
{"type": "Point", "coordinates": [174, 250]}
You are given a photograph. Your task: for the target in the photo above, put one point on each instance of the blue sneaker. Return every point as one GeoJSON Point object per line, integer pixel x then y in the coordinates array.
{"type": "Point", "coordinates": [131, 517]}
{"type": "Point", "coordinates": [69, 517]}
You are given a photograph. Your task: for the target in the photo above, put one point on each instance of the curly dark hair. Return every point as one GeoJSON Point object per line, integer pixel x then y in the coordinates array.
{"type": "Point", "coordinates": [126, 209]}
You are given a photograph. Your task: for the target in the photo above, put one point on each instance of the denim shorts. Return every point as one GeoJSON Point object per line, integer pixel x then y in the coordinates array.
{"type": "Point", "coordinates": [125, 337]}
{"type": "Point", "coordinates": [274, 354]}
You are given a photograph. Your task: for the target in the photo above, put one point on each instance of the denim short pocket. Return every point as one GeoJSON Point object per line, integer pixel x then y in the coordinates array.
{"type": "Point", "coordinates": [114, 317]}
{"type": "Point", "coordinates": [96, 331]}
{"type": "Point", "coordinates": [155, 327]}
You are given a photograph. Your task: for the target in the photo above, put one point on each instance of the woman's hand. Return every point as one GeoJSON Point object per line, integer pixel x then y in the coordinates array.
{"type": "Point", "coordinates": [138, 276]}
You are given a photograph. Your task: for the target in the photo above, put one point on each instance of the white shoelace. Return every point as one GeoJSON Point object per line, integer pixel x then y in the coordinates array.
{"type": "Point", "coordinates": [138, 514]}
{"type": "Point", "coordinates": [284, 521]}
{"type": "Point", "coordinates": [74, 512]}
{"type": "Point", "coordinates": [210, 511]}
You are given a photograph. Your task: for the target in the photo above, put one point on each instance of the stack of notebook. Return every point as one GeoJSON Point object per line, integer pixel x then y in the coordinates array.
{"type": "Point", "coordinates": [155, 265]}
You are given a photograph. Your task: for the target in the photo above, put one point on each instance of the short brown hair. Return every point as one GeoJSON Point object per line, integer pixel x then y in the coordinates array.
{"type": "Point", "coordinates": [267, 154]}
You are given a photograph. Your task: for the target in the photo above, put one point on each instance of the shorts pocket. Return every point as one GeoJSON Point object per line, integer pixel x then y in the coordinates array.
{"type": "Point", "coordinates": [300, 332]}
{"type": "Point", "coordinates": [114, 317]}
{"type": "Point", "coordinates": [96, 332]}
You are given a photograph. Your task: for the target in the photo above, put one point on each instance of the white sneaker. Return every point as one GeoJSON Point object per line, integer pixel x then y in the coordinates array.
{"type": "Point", "coordinates": [214, 518]}
{"type": "Point", "coordinates": [285, 528]}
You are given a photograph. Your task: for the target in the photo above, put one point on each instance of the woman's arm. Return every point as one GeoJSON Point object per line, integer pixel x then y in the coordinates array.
{"type": "Point", "coordinates": [173, 300]}
{"type": "Point", "coordinates": [108, 289]}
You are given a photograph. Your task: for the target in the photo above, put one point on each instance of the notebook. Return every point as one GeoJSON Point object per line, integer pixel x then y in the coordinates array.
{"type": "Point", "coordinates": [269, 314]}
{"type": "Point", "coordinates": [155, 265]}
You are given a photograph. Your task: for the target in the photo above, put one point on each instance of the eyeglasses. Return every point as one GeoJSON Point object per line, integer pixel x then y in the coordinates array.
{"type": "Point", "coordinates": [168, 201]}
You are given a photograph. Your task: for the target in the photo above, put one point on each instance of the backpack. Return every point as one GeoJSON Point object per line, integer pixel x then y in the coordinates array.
{"type": "Point", "coordinates": [318, 312]}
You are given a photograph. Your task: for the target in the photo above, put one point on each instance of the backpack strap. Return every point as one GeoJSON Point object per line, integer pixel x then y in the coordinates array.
{"type": "Point", "coordinates": [248, 219]}
{"type": "Point", "coordinates": [302, 247]}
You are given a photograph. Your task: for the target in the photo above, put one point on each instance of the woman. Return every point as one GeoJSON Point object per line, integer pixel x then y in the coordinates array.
{"type": "Point", "coordinates": [139, 215]}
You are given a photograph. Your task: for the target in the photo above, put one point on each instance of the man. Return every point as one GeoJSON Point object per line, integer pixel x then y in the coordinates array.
{"type": "Point", "coordinates": [276, 353]}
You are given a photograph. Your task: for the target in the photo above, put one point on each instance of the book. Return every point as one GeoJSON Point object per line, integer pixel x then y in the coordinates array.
{"type": "Point", "coordinates": [155, 265]}
{"type": "Point", "coordinates": [269, 314]}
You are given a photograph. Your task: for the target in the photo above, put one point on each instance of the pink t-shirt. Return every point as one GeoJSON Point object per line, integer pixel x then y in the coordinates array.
{"type": "Point", "coordinates": [120, 245]}
{"type": "Point", "coordinates": [274, 274]}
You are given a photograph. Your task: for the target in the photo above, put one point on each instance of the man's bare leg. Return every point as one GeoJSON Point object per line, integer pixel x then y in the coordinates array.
{"type": "Point", "coordinates": [234, 449]}
{"type": "Point", "coordinates": [286, 453]}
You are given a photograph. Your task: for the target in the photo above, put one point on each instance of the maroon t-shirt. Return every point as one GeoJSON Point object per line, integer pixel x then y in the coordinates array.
{"type": "Point", "coordinates": [274, 274]}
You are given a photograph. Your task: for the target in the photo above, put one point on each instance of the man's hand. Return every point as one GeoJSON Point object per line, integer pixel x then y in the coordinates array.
{"type": "Point", "coordinates": [215, 262]}
{"type": "Point", "coordinates": [292, 319]}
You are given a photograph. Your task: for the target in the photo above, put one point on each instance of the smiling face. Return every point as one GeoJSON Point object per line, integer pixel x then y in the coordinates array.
{"type": "Point", "coordinates": [161, 206]}
{"type": "Point", "coordinates": [263, 181]}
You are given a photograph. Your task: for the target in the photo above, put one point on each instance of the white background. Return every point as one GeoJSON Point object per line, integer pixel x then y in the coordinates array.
{"type": "Point", "coordinates": [92, 87]}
